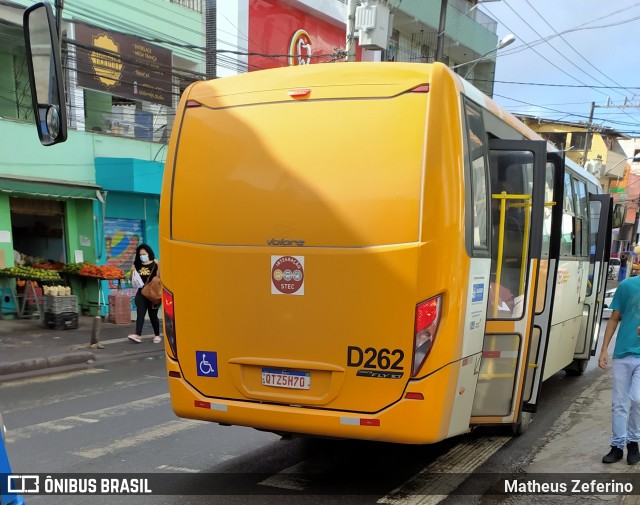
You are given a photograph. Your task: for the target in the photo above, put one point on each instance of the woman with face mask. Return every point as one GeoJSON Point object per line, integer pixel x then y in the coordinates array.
{"type": "Point", "coordinates": [147, 267]}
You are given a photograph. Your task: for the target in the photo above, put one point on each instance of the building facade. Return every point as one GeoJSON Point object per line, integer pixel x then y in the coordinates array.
{"type": "Point", "coordinates": [611, 156]}
{"type": "Point", "coordinates": [96, 197]}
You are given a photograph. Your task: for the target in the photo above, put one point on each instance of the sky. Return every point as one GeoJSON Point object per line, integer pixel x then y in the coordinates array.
{"type": "Point", "coordinates": [568, 54]}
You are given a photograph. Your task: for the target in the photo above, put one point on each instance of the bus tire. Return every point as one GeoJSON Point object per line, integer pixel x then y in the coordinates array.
{"type": "Point", "coordinates": [577, 367]}
{"type": "Point", "coordinates": [522, 425]}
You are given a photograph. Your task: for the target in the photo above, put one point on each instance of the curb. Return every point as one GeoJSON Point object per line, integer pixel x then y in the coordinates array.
{"type": "Point", "coordinates": [28, 365]}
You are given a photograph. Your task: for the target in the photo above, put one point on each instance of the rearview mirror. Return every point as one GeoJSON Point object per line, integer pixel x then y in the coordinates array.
{"type": "Point", "coordinates": [619, 215]}
{"type": "Point", "coordinates": [45, 73]}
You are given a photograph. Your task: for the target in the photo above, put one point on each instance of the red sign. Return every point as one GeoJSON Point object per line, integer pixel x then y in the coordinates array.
{"type": "Point", "coordinates": [281, 35]}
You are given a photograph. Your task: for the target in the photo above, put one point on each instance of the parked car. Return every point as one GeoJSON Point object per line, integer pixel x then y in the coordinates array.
{"type": "Point", "coordinates": [5, 469]}
{"type": "Point", "coordinates": [608, 298]}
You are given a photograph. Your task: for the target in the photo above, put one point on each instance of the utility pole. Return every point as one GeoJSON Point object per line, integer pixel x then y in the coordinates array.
{"type": "Point", "coordinates": [351, 28]}
{"type": "Point", "coordinates": [441, 29]}
{"type": "Point", "coordinates": [587, 140]}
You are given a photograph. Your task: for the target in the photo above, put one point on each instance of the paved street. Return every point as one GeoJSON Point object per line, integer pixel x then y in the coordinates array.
{"type": "Point", "coordinates": [117, 417]}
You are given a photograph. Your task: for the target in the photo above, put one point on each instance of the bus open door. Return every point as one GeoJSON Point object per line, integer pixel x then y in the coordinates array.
{"type": "Point", "coordinates": [517, 171]}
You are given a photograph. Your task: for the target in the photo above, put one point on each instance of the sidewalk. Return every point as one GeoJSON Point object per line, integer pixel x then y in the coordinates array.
{"type": "Point", "coordinates": [27, 347]}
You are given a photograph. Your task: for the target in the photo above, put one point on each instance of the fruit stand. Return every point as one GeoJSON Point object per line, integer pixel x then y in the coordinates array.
{"type": "Point", "coordinates": [23, 283]}
{"type": "Point", "coordinates": [28, 278]}
{"type": "Point", "coordinates": [87, 274]}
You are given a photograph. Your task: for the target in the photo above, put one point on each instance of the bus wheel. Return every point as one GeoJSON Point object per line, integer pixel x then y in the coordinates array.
{"type": "Point", "coordinates": [521, 426]}
{"type": "Point", "coordinates": [578, 367]}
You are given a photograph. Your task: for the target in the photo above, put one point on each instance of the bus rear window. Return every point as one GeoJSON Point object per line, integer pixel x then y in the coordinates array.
{"type": "Point", "coordinates": [270, 171]}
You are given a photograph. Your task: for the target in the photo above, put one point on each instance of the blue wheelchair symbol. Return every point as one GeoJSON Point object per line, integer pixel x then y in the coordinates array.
{"type": "Point", "coordinates": [207, 363]}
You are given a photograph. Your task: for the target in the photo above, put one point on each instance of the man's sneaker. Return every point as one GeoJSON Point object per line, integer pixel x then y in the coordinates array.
{"type": "Point", "coordinates": [615, 454]}
{"type": "Point", "coordinates": [135, 339]}
{"type": "Point", "coordinates": [633, 454]}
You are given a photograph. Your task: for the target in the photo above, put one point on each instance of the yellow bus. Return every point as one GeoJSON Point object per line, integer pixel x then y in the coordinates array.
{"type": "Point", "coordinates": [371, 251]}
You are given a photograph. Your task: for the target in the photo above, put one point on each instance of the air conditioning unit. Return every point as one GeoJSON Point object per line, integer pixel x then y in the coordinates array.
{"type": "Point", "coordinates": [373, 23]}
{"type": "Point", "coordinates": [594, 167]}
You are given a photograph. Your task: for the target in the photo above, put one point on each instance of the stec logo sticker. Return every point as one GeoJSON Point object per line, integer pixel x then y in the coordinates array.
{"type": "Point", "coordinates": [287, 275]}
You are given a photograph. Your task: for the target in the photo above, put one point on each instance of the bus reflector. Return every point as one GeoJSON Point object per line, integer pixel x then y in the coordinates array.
{"type": "Point", "coordinates": [359, 421]}
{"type": "Point", "coordinates": [168, 311]}
{"type": "Point", "coordinates": [423, 88]}
{"type": "Point", "coordinates": [414, 396]}
{"type": "Point", "coordinates": [192, 103]}
{"type": "Point", "coordinates": [211, 406]}
{"type": "Point", "coordinates": [426, 327]}
{"type": "Point", "coordinates": [174, 374]}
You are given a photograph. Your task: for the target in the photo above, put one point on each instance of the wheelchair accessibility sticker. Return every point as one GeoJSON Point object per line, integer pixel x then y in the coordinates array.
{"type": "Point", "coordinates": [207, 363]}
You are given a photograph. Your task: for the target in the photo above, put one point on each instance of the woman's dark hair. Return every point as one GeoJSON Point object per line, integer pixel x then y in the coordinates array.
{"type": "Point", "coordinates": [136, 262]}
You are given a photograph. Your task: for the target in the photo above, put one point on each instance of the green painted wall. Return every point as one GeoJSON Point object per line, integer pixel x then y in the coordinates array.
{"type": "Point", "coordinates": [70, 161]}
{"type": "Point", "coordinates": [458, 27]}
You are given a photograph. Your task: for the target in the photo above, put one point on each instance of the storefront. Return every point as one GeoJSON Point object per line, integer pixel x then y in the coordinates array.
{"type": "Point", "coordinates": [44, 221]}
{"type": "Point", "coordinates": [282, 34]}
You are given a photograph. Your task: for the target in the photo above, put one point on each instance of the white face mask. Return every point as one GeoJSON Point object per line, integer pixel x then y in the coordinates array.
{"type": "Point", "coordinates": [144, 258]}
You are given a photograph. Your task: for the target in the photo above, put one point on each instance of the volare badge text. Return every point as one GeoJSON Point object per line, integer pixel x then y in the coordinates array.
{"type": "Point", "coordinates": [285, 242]}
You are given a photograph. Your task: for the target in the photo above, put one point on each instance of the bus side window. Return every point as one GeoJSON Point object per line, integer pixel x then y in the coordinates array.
{"type": "Point", "coordinates": [476, 146]}
{"type": "Point", "coordinates": [568, 232]}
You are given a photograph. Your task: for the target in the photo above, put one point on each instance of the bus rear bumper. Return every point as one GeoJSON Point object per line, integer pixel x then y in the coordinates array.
{"type": "Point", "coordinates": [406, 421]}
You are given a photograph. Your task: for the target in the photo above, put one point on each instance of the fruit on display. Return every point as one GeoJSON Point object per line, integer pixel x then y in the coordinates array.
{"type": "Point", "coordinates": [101, 271]}
{"type": "Point", "coordinates": [73, 268]}
{"type": "Point", "coordinates": [26, 272]}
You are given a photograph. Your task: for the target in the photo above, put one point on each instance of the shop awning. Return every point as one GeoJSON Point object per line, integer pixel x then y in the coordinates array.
{"type": "Point", "coordinates": [47, 188]}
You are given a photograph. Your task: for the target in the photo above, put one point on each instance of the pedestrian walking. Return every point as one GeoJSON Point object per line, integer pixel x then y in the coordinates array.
{"type": "Point", "coordinates": [146, 267]}
{"type": "Point", "coordinates": [625, 394]}
{"type": "Point", "coordinates": [622, 273]}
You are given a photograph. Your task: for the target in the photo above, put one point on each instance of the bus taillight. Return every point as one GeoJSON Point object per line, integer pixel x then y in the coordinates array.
{"type": "Point", "coordinates": [423, 88]}
{"type": "Point", "coordinates": [168, 311]}
{"type": "Point", "coordinates": [426, 327]}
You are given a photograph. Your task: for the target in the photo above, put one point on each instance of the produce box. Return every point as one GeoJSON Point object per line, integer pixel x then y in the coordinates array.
{"type": "Point", "coordinates": [64, 321]}
{"type": "Point", "coordinates": [61, 304]}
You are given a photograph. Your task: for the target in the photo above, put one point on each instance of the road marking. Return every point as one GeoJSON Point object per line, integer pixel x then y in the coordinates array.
{"type": "Point", "coordinates": [445, 473]}
{"type": "Point", "coordinates": [149, 435]}
{"type": "Point", "coordinates": [289, 478]}
{"type": "Point", "coordinates": [83, 419]}
{"type": "Point", "coordinates": [26, 404]}
{"type": "Point", "coordinates": [283, 481]}
{"type": "Point", "coordinates": [50, 378]}
{"type": "Point", "coordinates": [70, 422]}
{"type": "Point", "coordinates": [183, 469]}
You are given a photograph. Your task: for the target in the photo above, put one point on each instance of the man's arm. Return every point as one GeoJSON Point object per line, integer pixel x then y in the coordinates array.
{"type": "Point", "coordinates": [612, 324]}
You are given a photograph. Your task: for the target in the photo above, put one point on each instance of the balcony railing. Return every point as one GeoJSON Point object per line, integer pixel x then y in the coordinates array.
{"type": "Point", "coordinates": [194, 5]}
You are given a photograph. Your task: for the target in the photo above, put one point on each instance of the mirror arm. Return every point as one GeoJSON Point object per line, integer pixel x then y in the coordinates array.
{"type": "Point", "coordinates": [59, 6]}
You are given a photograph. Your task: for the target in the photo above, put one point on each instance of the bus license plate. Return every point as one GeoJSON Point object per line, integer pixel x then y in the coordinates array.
{"type": "Point", "coordinates": [286, 379]}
